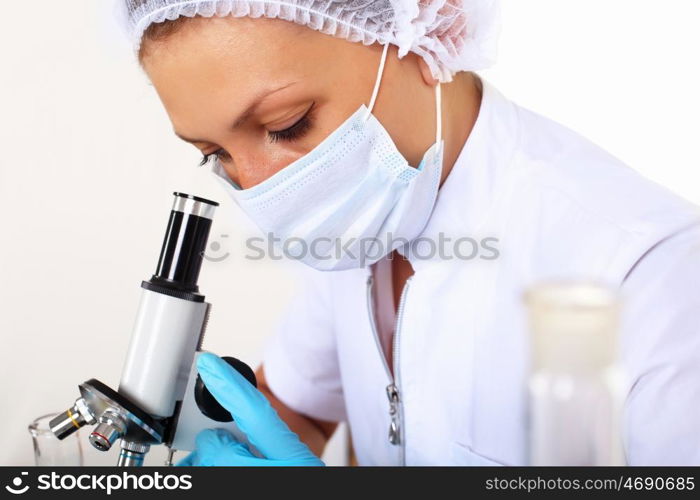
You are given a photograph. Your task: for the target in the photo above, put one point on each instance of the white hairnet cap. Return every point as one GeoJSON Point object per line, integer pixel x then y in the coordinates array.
{"type": "Point", "coordinates": [450, 35]}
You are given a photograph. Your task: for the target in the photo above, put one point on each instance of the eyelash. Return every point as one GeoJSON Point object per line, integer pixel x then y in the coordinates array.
{"type": "Point", "coordinates": [296, 131]}
{"type": "Point", "coordinates": [219, 153]}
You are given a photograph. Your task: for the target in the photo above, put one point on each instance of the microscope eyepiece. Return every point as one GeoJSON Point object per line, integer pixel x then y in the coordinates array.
{"type": "Point", "coordinates": [183, 246]}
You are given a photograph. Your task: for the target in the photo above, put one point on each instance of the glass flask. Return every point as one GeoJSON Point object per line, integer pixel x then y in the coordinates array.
{"type": "Point", "coordinates": [49, 450]}
{"type": "Point", "coordinates": [575, 386]}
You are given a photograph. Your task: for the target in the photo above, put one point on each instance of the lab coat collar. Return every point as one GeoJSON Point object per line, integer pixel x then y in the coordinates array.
{"type": "Point", "coordinates": [464, 204]}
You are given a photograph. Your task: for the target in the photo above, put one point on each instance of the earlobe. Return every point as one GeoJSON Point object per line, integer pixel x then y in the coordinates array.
{"type": "Point", "coordinates": [427, 75]}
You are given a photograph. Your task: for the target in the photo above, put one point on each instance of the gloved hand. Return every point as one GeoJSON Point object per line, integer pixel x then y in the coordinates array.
{"type": "Point", "coordinates": [254, 416]}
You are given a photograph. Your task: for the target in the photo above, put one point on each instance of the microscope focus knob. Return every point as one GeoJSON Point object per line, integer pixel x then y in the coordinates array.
{"type": "Point", "coordinates": [208, 404]}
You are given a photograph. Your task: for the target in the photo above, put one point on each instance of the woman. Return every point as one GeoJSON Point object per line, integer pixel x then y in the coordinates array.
{"type": "Point", "coordinates": [357, 137]}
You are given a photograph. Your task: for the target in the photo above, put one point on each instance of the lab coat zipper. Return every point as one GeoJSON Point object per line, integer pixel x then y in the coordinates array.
{"type": "Point", "coordinates": [396, 430]}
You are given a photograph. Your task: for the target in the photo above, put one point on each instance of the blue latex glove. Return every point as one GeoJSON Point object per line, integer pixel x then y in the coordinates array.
{"type": "Point", "coordinates": [255, 417]}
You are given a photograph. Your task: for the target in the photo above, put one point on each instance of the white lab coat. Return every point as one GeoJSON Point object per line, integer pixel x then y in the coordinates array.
{"type": "Point", "coordinates": [561, 208]}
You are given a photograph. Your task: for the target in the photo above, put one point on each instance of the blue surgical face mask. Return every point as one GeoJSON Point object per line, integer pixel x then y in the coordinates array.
{"type": "Point", "coordinates": [350, 201]}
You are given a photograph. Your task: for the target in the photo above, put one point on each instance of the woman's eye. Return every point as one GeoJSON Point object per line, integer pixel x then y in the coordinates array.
{"type": "Point", "coordinates": [296, 131]}
{"type": "Point", "coordinates": [219, 154]}
{"type": "Point", "coordinates": [292, 133]}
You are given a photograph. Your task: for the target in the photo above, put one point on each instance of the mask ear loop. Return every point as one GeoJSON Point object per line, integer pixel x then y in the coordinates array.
{"type": "Point", "coordinates": [375, 92]}
{"type": "Point", "coordinates": [380, 71]}
{"type": "Point", "coordinates": [438, 113]}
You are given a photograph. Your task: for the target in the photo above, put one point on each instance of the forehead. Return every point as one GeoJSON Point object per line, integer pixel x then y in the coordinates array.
{"type": "Point", "coordinates": [232, 43]}
{"type": "Point", "coordinates": [211, 69]}
{"type": "Point", "coordinates": [239, 53]}
{"type": "Point", "coordinates": [209, 59]}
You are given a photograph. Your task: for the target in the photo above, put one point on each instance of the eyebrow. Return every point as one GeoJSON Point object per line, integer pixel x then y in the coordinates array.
{"type": "Point", "coordinates": [245, 115]}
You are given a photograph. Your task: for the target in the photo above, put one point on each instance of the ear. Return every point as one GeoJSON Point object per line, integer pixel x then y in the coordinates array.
{"type": "Point", "coordinates": [425, 72]}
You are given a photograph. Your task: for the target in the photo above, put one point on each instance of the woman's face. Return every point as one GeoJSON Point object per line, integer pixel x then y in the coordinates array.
{"type": "Point", "coordinates": [260, 93]}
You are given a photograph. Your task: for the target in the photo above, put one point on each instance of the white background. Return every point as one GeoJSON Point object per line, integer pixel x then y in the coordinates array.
{"type": "Point", "coordinates": [88, 163]}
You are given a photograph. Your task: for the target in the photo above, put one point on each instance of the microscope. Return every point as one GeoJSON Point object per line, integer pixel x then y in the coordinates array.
{"type": "Point", "coordinates": [160, 399]}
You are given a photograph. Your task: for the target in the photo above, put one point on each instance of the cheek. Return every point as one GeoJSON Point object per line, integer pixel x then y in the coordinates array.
{"type": "Point", "coordinates": [249, 170]}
